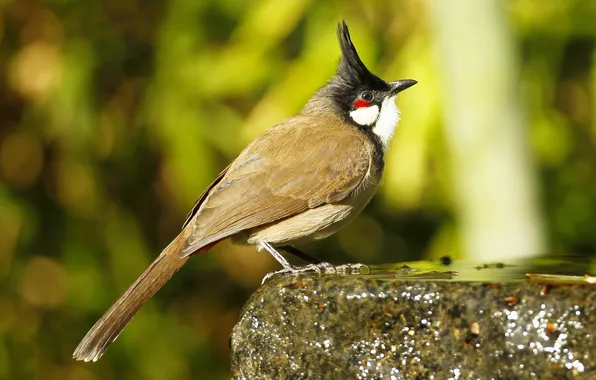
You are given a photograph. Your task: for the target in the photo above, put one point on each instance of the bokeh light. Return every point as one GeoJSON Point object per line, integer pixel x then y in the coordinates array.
{"type": "Point", "coordinates": [115, 115]}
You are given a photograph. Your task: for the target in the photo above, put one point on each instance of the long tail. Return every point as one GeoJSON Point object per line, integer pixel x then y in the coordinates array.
{"type": "Point", "coordinates": [111, 324]}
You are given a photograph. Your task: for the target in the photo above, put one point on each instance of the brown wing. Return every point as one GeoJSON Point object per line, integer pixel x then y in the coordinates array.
{"type": "Point", "coordinates": [290, 168]}
{"type": "Point", "coordinates": [202, 197]}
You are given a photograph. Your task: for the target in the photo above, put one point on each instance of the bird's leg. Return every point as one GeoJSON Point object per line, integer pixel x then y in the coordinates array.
{"type": "Point", "coordinates": [276, 255]}
{"type": "Point", "coordinates": [303, 255]}
{"type": "Point", "coordinates": [289, 268]}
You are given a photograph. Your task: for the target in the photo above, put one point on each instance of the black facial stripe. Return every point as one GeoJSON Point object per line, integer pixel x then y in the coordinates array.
{"type": "Point", "coordinates": [378, 151]}
{"type": "Point", "coordinates": [367, 130]}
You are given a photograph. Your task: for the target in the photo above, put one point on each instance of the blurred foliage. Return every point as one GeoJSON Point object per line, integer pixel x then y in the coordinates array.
{"type": "Point", "coordinates": [116, 114]}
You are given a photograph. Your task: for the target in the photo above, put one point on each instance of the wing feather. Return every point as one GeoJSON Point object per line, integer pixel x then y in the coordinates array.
{"type": "Point", "coordinates": [316, 164]}
{"type": "Point", "coordinates": [202, 197]}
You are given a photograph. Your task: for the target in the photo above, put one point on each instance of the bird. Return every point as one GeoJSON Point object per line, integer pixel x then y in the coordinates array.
{"type": "Point", "coordinates": [301, 180]}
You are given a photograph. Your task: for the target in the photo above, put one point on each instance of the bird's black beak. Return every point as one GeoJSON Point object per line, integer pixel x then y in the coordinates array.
{"type": "Point", "coordinates": [400, 85]}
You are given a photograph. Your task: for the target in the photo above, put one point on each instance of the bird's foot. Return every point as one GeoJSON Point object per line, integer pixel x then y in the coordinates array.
{"type": "Point", "coordinates": [320, 268]}
{"type": "Point", "coordinates": [351, 269]}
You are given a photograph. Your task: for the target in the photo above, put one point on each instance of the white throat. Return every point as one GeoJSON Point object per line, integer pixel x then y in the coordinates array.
{"type": "Point", "coordinates": [387, 121]}
{"type": "Point", "coordinates": [365, 115]}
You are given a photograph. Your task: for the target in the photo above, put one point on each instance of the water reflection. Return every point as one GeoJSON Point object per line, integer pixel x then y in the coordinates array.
{"type": "Point", "coordinates": [563, 270]}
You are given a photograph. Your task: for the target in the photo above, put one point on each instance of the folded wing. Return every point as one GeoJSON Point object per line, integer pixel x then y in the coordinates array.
{"type": "Point", "coordinates": [285, 171]}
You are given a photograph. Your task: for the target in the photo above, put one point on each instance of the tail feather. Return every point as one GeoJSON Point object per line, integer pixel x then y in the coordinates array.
{"type": "Point", "coordinates": [111, 324]}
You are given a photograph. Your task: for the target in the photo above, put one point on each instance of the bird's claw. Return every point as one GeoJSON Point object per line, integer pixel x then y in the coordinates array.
{"type": "Point", "coordinates": [319, 268]}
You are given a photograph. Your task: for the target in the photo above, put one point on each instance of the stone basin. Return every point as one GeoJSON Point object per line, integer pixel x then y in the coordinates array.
{"type": "Point", "coordinates": [422, 320]}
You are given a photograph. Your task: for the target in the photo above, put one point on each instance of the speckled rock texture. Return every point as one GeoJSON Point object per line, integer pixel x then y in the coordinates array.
{"type": "Point", "coordinates": [359, 327]}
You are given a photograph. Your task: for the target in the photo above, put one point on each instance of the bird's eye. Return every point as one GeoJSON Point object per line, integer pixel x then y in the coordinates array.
{"type": "Point", "coordinates": [367, 96]}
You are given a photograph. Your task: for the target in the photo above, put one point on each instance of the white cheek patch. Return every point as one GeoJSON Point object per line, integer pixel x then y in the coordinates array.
{"type": "Point", "coordinates": [387, 121]}
{"type": "Point", "coordinates": [365, 115]}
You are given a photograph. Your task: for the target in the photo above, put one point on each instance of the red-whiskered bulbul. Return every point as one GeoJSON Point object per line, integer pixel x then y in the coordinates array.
{"type": "Point", "coordinates": [301, 180]}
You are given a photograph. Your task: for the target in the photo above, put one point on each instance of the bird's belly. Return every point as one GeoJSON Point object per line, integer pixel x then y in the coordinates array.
{"type": "Point", "coordinates": [312, 224]}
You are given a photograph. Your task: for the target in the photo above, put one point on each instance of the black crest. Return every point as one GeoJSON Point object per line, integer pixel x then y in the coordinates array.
{"type": "Point", "coordinates": [351, 70]}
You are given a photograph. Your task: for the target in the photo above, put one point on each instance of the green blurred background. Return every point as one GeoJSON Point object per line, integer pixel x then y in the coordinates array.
{"type": "Point", "coordinates": [116, 114]}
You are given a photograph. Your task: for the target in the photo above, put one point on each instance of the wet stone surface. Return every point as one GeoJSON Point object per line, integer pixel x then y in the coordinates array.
{"type": "Point", "coordinates": [366, 327]}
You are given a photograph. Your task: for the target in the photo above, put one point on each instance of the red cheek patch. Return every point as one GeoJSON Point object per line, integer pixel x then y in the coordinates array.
{"type": "Point", "coordinates": [361, 103]}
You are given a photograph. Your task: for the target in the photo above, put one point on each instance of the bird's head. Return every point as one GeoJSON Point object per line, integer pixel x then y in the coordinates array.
{"type": "Point", "coordinates": [360, 96]}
